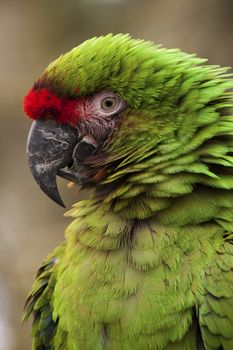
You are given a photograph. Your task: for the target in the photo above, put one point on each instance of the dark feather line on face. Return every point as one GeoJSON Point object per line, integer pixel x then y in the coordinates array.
{"type": "Point", "coordinates": [98, 128]}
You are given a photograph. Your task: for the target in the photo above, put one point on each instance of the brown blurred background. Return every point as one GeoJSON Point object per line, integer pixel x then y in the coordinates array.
{"type": "Point", "coordinates": [32, 34]}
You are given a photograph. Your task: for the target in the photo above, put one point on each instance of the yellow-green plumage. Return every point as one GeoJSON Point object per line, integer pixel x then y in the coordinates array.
{"type": "Point", "coordinates": [147, 263]}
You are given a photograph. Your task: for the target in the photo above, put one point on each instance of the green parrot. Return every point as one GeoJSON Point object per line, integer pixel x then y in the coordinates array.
{"type": "Point", "coordinates": [148, 261]}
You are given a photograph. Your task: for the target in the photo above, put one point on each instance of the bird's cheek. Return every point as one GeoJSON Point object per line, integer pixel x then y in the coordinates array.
{"type": "Point", "coordinates": [82, 109]}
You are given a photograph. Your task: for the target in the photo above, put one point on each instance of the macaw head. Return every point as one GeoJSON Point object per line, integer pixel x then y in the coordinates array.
{"type": "Point", "coordinates": [115, 108]}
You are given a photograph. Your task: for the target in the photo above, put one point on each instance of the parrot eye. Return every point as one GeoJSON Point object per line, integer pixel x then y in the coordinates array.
{"type": "Point", "coordinates": [108, 103]}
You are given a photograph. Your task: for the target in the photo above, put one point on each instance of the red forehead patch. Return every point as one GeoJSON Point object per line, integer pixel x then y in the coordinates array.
{"type": "Point", "coordinates": [44, 103]}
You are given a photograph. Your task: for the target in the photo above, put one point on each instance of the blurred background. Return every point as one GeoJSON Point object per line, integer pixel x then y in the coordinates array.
{"type": "Point", "coordinates": [33, 33]}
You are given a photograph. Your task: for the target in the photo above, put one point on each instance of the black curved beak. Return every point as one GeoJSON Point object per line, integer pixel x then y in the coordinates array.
{"type": "Point", "coordinates": [50, 147]}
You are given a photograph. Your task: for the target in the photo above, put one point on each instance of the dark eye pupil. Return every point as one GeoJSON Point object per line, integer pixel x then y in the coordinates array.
{"type": "Point", "coordinates": [108, 103]}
